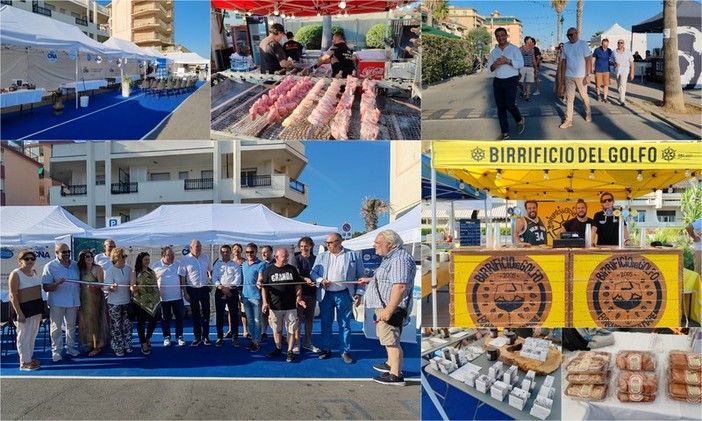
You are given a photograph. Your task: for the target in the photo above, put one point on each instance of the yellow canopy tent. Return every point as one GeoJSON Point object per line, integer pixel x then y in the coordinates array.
{"type": "Point", "coordinates": [560, 171]}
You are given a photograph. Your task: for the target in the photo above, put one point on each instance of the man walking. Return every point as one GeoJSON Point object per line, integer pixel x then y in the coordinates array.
{"type": "Point", "coordinates": [506, 60]}
{"type": "Point", "coordinates": [226, 276]}
{"type": "Point", "coordinates": [577, 66]}
{"type": "Point", "coordinates": [537, 66]}
{"type": "Point", "coordinates": [527, 72]}
{"type": "Point", "coordinates": [623, 68]}
{"type": "Point", "coordinates": [335, 272]}
{"type": "Point", "coordinates": [602, 56]}
{"type": "Point", "coordinates": [194, 270]}
{"type": "Point", "coordinates": [390, 290]}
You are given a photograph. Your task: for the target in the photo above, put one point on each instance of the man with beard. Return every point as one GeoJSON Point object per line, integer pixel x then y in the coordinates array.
{"type": "Point", "coordinates": [505, 61]}
{"type": "Point", "coordinates": [578, 224]}
{"type": "Point", "coordinates": [530, 230]}
{"type": "Point", "coordinates": [607, 223]}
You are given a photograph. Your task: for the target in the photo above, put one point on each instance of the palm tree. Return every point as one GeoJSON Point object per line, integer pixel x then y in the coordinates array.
{"type": "Point", "coordinates": [672, 86]}
{"type": "Point", "coordinates": [371, 207]}
{"type": "Point", "coordinates": [579, 16]}
{"type": "Point", "coordinates": [558, 6]}
{"type": "Point", "coordinates": [436, 9]}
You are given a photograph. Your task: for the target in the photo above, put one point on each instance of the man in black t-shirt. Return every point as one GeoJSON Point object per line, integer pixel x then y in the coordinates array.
{"type": "Point", "coordinates": [272, 53]}
{"type": "Point", "coordinates": [304, 261]}
{"type": "Point", "coordinates": [579, 223]}
{"type": "Point", "coordinates": [537, 64]}
{"type": "Point", "coordinates": [282, 293]}
{"type": "Point", "coordinates": [293, 49]}
{"type": "Point", "coordinates": [607, 223]}
{"type": "Point", "coordinates": [340, 56]}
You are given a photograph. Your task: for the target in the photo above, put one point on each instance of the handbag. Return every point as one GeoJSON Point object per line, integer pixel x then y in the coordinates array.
{"type": "Point", "coordinates": [398, 317]}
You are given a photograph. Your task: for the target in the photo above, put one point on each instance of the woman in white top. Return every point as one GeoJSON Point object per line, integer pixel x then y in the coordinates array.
{"type": "Point", "coordinates": [25, 297]}
{"type": "Point", "coordinates": [118, 300]}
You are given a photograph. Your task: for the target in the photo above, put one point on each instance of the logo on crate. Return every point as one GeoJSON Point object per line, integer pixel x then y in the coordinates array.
{"type": "Point", "coordinates": [509, 291]}
{"type": "Point", "coordinates": [373, 72]}
{"type": "Point", "coordinates": [626, 291]}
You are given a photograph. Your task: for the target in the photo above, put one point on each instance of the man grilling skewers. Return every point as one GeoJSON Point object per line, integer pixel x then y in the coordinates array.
{"type": "Point", "coordinates": [340, 56]}
{"type": "Point", "coordinates": [273, 56]}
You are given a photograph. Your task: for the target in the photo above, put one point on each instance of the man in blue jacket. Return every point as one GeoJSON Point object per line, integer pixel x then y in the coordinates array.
{"type": "Point", "coordinates": [336, 272]}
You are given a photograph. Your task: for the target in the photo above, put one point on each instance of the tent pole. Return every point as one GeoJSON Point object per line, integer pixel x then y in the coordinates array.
{"type": "Point", "coordinates": [77, 55]}
{"type": "Point", "coordinates": [433, 249]}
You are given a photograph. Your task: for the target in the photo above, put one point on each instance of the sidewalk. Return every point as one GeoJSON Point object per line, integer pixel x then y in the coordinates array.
{"type": "Point", "coordinates": [642, 95]}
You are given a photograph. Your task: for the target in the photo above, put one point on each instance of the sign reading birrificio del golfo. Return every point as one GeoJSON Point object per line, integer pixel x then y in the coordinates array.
{"type": "Point", "coordinates": [626, 291]}
{"type": "Point", "coordinates": [591, 155]}
{"type": "Point", "coordinates": [509, 291]}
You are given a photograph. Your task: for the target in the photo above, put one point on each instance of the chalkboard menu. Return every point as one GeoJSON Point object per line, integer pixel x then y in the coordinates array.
{"type": "Point", "coordinates": [469, 232]}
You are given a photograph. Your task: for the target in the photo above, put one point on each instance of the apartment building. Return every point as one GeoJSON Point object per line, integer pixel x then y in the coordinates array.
{"type": "Point", "coordinates": [510, 23]}
{"type": "Point", "coordinates": [92, 18]}
{"type": "Point", "coordinates": [99, 180]}
{"type": "Point", "coordinates": [466, 16]}
{"type": "Point", "coordinates": [24, 179]}
{"type": "Point", "coordinates": [147, 23]}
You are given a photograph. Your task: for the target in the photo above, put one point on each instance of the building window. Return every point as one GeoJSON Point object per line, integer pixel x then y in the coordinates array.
{"type": "Point", "coordinates": [100, 179]}
{"type": "Point", "coordinates": [665, 216]}
{"type": "Point", "coordinates": [641, 217]}
{"type": "Point", "coordinates": [160, 176]}
{"type": "Point", "coordinates": [183, 175]}
{"type": "Point", "coordinates": [207, 174]}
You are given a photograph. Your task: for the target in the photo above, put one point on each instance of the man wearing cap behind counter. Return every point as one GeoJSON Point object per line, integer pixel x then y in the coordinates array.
{"type": "Point", "coordinates": [272, 52]}
{"type": "Point", "coordinates": [607, 223]}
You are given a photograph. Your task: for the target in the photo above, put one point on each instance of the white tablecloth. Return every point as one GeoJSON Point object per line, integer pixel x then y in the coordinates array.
{"type": "Point", "coordinates": [81, 86]}
{"type": "Point", "coordinates": [663, 408]}
{"type": "Point", "coordinates": [20, 97]}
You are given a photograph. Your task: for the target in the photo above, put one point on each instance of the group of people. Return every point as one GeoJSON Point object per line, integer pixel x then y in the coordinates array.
{"type": "Point", "coordinates": [517, 68]}
{"type": "Point", "coordinates": [530, 229]}
{"type": "Point", "coordinates": [276, 55]}
{"type": "Point", "coordinates": [281, 291]}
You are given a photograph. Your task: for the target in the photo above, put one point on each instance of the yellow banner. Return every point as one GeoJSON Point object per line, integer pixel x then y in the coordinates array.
{"type": "Point", "coordinates": [622, 155]}
{"type": "Point", "coordinates": [626, 290]}
{"type": "Point", "coordinates": [508, 290]}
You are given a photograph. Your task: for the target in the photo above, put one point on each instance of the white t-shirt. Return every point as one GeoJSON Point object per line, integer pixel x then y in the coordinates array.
{"type": "Point", "coordinates": [623, 60]}
{"type": "Point", "coordinates": [511, 52]}
{"type": "Point", "coordinates": [575, 54]}
{"type": "Point", "coordinates": [168, 280]}
{"type": "Point", "coordinates": [227, 274]}
{"type": "Point", "coordinates": [121, 278]}
{"type": "Point", "coordinates": [104, 261]}
{"type": "Point", "coordinates": [195, 270]}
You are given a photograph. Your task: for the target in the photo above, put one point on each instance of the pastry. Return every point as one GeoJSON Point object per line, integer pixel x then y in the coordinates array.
{"type": "Point", "coordinates": [635, 360]}
{"type": "Point", "coordinates": [685, 360]}
{"type": "Point", "coordinates": [635, 397]}
{"type": "Point", "coordinates": [691, 377]}
{"type": "Point", "coordinates": [636, 382]}
{"type": "Point", "coordinates": [588, 378]}
{"type": "Point", "coordinates": [592, 392]}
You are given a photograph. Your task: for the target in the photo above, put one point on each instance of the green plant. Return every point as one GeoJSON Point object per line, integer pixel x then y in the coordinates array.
{"type": "Point", "coordinates": [444, 57]}
{"type": "Point", "coordinates": [375, 37]}
{"type": "Point", "coordinates": [480, 37]}
{"type": "Point", "coordinates": [127, 79]}
{"type": "Point", "coordinates": [691, 204]}
{"type": "Point", "coordinates": [311, 35]}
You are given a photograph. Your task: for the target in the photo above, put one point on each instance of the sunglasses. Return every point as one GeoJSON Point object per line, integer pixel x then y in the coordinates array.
{"type": "Point", "coordinates": [606, 200]}
{"type": "Point", "coordinates": [620, 43]}
{"type": "Point", "coordinates": [65, 252]}
{"type": "Point", "coordinates": [29, 259]}
{"type": "Point", "coordinates": [331, 242]}
{"type": "Point", "coordinates": [570, 35]}
{"type": "Point", "coordinates": [250, 252]}
{"type": "Point", "coordinates": [124, 256]}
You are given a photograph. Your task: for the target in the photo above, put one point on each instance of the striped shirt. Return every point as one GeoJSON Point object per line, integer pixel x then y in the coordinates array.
{"type": "Point", "coordinates": [397, 267]}
{"type": "Point", "coordinates": [528, 56]}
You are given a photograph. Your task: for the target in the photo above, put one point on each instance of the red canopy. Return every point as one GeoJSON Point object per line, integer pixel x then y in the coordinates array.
{"type": "Point", "coordinates": [301, 8]}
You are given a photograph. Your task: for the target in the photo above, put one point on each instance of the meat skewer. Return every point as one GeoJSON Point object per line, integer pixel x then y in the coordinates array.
{"type": "Point", "coordinates": [342, 119]}
{"type": "Point", "coordinates": [325, 107]}
{"type": "Point", "coordinates": [306, 105]}
{"type": "Point", "coordinates": [370, 114]}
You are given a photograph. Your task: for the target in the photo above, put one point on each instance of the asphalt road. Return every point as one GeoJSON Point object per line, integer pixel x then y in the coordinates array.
{"type": "Point", "coordinates": [190, 121]}
{"type": "Point", "coordinates": [463, 108]}
{"type": "Point", "coordinates": [141, 399]}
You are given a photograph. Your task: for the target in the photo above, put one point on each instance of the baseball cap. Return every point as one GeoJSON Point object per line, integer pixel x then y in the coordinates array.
{"type": "Point", "coordinates": [277, 28]}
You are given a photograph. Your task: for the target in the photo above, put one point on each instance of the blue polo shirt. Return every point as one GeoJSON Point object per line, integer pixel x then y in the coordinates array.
{"type": "Point", "coordinates": [602, 58]}
{"type": "Point", "coordinates": [250, 274]}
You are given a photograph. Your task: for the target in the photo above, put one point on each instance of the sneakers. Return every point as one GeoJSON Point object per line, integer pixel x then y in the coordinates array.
{"type": "Point", "coordinates": [503, 136]}
{"type": "Point", "coordinates": [117, 353]}
{"type": "Point", "coordinates": [219, 342]}
{"type": "Point", "coordinates": [129, 350]}
{"type": "Point", "coordinates": [250, 345]}
{"type": "Point", "coordinates": [296, 349]}
{"type": "Point", "coordinates": [275, 353]}
{"type": "Point", "coordinates": [72, 352]}
{"type": "Point", "coordinates": [247, 336]}
{"type": "Point", "coordinates": [264, 336]}
{"type": "Point", "coordinates": [167, 341]}
{"type": "Point", "coordinates": [382, 367]}
{"type": "Point", "coordinates": [527, 99]}
{"type": "Point", "coordinates": [566, 124]}
{"type": "Point", "coordinates": [324, 355]}
{"type": "Point", "coordinates": [228, 334]}
{"type": "Point", "coordinates": [254, 347]}
{"type": "Point", "coordinates": [33, 366]}
{"type": "Point", "coordinates": [312, 348]}
{"type": "Point", "coordinates": [56, 358]}
{"type": "Point", "coordinates": [347, 358]}
{"type": "Point", "coordinates": [521, 124]}
{"type": "Point", "coordinates": [290, 358]}
{"type": "Point", "coordinates": [181, 342]}
{"type": "Point", "coordinates": [536, 92]}
{"type": "Point", "coordinates": [145, 349]}
{"type": "Point", "coordinates": [390, 379]}
{"type": "Point", "coordinates": [196, 342]}
{"type": "Point", "coordinates": [236, 343]}
{"type": "Point", "coordinates": [206, 341]}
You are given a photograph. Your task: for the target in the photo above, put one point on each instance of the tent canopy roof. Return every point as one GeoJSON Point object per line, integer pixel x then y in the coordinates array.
{"type": "Point", "coordinates": [689, 14]}
{"type": "Point", "coordinates": [129, 49]}
{"type": "Point", "coordinates": [212, 224]}
{"type": "Point", "coordinates": [186, 58]}
{"type": "Point", "coordinates": [407, 226]}
{"type": "Point", "coordinates": [664, 164]}
{"type": "Point", "coordinates": [301, 8]}
{"type": "Point", "coordinates": [447, 187]}
{"type": "Point", "coordinates": [22, 28]}
{"type": "Point", "coordinates": [35, 225]}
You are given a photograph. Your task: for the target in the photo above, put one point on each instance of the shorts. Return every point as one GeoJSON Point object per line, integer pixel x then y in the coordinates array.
{"type": "Point", "coordinates": [308, 312]}
{"type": "Point", "coordinates": [388, 335]}
{"type": "Point", "coordinates": [527, 74]}
{"type": "Point", "coordinates": [279, 318]}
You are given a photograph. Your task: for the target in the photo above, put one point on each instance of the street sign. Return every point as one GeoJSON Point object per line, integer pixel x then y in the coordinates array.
{"type": "Point", "coordinates": [113, 221]}
{"type": "Point", "coordinates": [346, 227]}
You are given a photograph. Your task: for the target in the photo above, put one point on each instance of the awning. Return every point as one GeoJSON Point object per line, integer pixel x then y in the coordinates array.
{"type": "Point", "coordinates": [447, 187]}
{"type": "Point", "coordinates": [556, 170]}
{"type": "Point", "coordinates": [129, 49]}
{"type": "Point", "coordinates": [302, 8]}
{"type": "Point", "coordinates": [689, 14]}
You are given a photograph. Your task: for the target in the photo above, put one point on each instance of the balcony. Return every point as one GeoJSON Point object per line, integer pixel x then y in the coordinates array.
{"type": "Point", "coordinates": [256, 181]}
{"type": "Point", "coordinates": [125, 188]}
{"type": "Point", "coordinates": [271, 187]}
{"type": "Point", "coordinates": [199, 184]}
{"type": "Point", "coordinates": [82, 21]}
{"type": "Point", "coordinates": [151, 36]}
{"type": "Point", "coordinates": [74, 190]}
{"type": "Point", "coordinates": [41, 10]}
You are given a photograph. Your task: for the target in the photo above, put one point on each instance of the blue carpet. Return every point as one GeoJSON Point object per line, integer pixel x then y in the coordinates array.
{"type": "Point", "coordinates": [226, 361]}
{"type": "Point", "coordinates": [458, 405]}
{"type": "Point", "coordinates": [109, 116]}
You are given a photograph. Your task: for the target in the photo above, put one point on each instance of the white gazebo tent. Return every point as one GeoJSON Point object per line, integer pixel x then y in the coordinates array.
{"type": "Point", "coordinates": [24, 29]}
{"type": "Point", "coordinates": [37, 225]}
{"type": "Point", "coordinates": [181, 60]}
{"type": "Point", "coordinates": [129, 51]}
{"type": "Point", "coordinates": [634, 41]}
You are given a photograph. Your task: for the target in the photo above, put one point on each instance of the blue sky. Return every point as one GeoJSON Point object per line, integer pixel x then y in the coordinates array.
{"type": "Point", "coordinates": [539, 19]}
{"type": "Point", "coordinates": [339, 175]}
{"type": "Point", "coordinates": [192, 25]}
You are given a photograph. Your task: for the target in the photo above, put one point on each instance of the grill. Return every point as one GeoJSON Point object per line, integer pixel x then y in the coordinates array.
{"type": "Point", "coordinates": [400, 118]}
